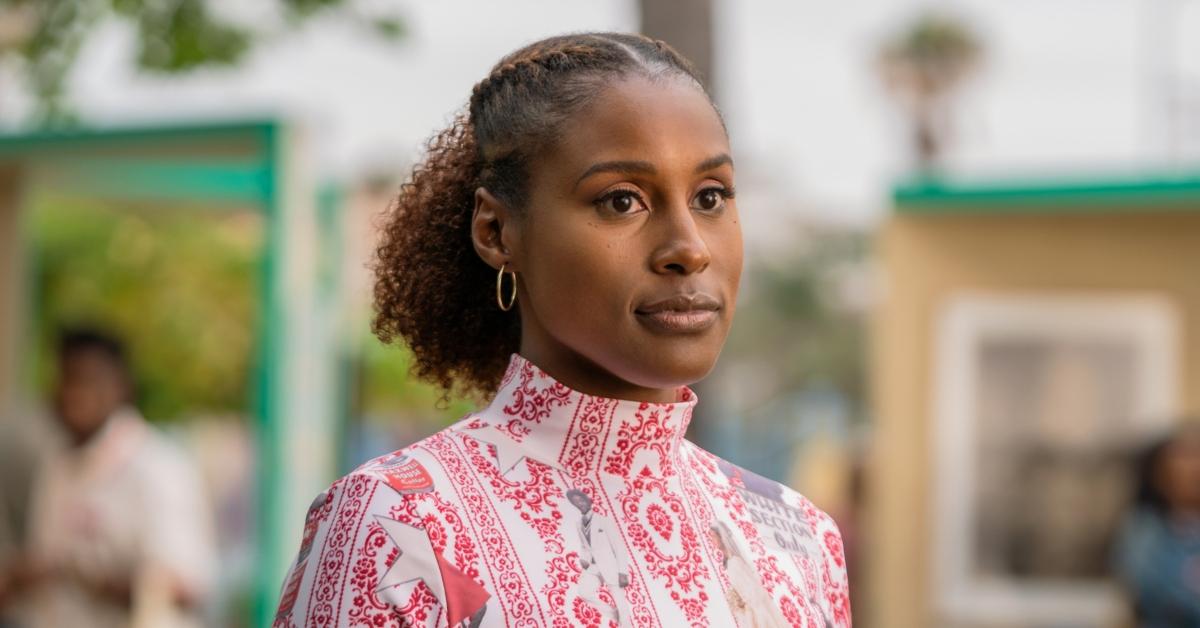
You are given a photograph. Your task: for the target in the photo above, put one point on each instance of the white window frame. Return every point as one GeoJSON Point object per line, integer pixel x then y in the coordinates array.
{"type": "Point", "coordinates": [965, 322]}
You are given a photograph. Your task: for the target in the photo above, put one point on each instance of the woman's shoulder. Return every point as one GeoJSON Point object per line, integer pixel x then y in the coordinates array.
{"type": "Point", "coordinates": [371, 529]}
{"type": "Point", "coordinates": [774, 509]}
{"type": "Point", "coordinates": [754, 489]}
{"type": "Point", "coordinates": [763, 517]}
{"type": "Point", "coordinates": [401, 484]}
{"type": "Point", "coordinates": [407, 471]}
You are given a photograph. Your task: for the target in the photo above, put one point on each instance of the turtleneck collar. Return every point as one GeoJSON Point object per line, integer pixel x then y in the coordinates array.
{"type": "Point", "coordinates": [582, 433]}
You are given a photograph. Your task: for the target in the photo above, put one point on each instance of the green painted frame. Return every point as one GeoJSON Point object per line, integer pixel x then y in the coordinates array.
{"type": "Point", "coordinates": [1149, 192]}
{"type": "Point", "coordinates": [255, 182]}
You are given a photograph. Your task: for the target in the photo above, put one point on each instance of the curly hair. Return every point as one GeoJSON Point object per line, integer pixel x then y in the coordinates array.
{"type": "Point", "coordinates": [432, 290]}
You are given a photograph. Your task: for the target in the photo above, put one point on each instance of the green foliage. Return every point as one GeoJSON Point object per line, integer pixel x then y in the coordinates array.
{"type": "Point", "coordinates": [304, 8]}
{"type": "Point", "coordinates": [174, 36]}
{"type": "Point", "coordinates": [387, 391]}
{"type": "Point", "coordinates": [179, 287]}
{"type": "Point", "coordinates": [183, 36]}
{"type": "Point", "coordinates": [389, 27]}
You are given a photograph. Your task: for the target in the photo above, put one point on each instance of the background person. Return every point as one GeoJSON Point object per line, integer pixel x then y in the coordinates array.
{"type": "Point", "coordinates": [119, 530]}
{"type": "Point", "coordinates": [1158, 550]}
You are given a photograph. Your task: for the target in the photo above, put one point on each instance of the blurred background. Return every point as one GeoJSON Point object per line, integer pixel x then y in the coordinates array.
{"type": "Point", "coordinates": [970, 319]}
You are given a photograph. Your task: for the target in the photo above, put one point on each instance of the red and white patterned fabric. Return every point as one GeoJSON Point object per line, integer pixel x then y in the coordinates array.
{"type": "Point", "coordinates": [552, 507]}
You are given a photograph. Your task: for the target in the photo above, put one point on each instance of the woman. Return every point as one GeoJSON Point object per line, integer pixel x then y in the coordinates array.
{"type": "Point", "coordinates": [569, 246]}
{"type": "Point", "coordinates": [1158, 549]}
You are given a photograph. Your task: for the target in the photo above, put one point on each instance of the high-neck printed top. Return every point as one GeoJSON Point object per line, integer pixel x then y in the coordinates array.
{"type": "Point", "coordinates": [552, 507]}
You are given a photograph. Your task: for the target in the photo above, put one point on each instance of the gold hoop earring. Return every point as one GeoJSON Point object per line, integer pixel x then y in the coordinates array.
{"type": "Point", "coordinates": [499, 281]}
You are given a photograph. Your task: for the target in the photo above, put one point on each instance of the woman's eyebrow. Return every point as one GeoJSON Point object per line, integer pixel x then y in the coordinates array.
{"type": "Point", "coordinates": [623, 167]}
{"type": "Point", "coordinates": [713, 162]}
{"type": "Point", "coordinates": [645, 167]}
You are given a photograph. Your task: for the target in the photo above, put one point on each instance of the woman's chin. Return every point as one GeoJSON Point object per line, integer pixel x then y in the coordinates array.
{"type": "Point", "coordinates": [674, 365]}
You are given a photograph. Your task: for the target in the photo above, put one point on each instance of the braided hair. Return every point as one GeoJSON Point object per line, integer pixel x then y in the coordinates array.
{"type": "Point", "coordinates": [432, 290]}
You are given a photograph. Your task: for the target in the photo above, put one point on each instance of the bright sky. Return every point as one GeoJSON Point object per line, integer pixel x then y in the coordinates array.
{"type": "Point", "coordinates": [1068, 85]}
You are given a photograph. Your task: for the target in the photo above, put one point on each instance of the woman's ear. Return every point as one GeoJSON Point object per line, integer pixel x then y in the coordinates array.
{"type": "Point", "coordinates": [492, 230]}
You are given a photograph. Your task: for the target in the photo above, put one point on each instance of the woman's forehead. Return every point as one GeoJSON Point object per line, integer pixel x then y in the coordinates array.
{"type": "Point", "coordinates": [665, 123]}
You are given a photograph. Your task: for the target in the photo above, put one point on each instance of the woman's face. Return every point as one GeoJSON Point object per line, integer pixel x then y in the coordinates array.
{"type": "Point", "coordinates": [629, 252]}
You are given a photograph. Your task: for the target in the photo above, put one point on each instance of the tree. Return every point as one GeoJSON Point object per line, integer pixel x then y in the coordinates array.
{"type": "Point", "coordinates": [178, 287]}
{"type": "Point", "coordinates": [922, 67]}
{"type": "Point", "coordinates": [44, 37]}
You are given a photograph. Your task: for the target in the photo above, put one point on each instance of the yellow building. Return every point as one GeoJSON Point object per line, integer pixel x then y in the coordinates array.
{"type": "Point", "coordinates": [1030, 336]}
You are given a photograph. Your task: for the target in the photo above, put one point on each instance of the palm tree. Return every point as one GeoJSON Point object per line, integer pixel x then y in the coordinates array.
{"type": "Point", "coordinates": [922, 67]}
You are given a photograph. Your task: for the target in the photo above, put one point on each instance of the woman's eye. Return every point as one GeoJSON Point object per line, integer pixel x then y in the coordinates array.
{"type": "Point", "coordinates": [711, 199]}
{"type": "Point", "coordinates": [620, 202]}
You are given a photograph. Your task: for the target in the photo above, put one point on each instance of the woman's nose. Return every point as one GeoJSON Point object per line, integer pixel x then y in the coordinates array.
{"type": "Point", "coordinates": [681, 249]}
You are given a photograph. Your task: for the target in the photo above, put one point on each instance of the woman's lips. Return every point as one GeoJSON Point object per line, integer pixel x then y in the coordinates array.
{"type": "Point", "coordinates": [680, 313]}
{"type": "Point", "coordinates": [678, 321]}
